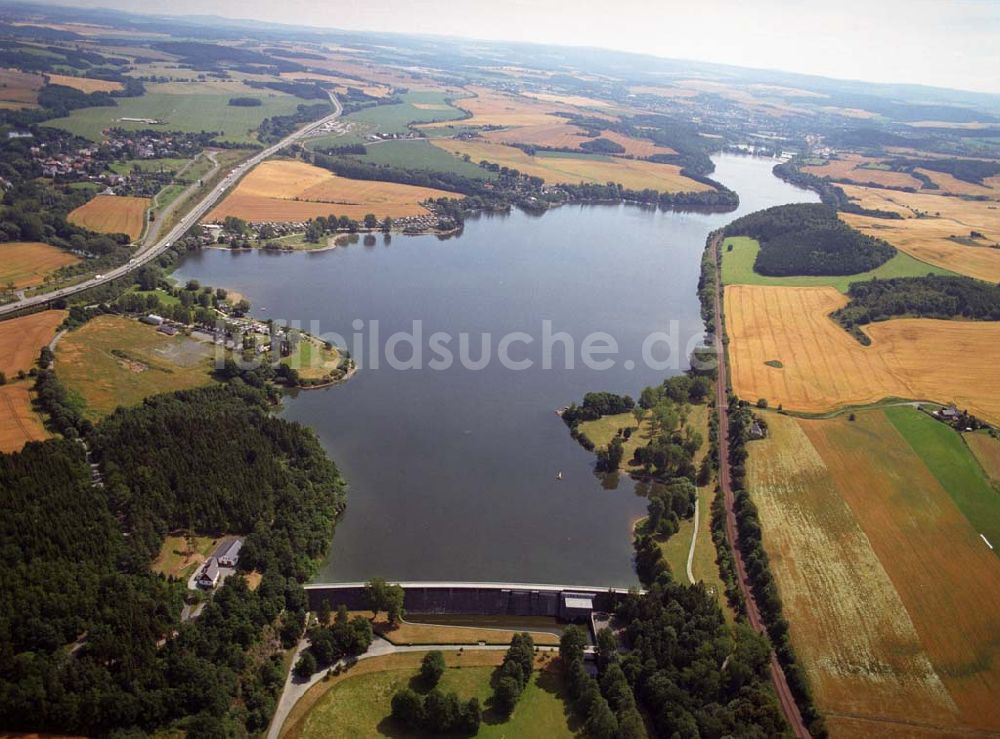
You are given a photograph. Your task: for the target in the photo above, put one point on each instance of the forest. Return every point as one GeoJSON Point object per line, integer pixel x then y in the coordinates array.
{"type": "Point", "coordinates": [90, 639]}
{"type": "Point", "coordinates": [808, 239]}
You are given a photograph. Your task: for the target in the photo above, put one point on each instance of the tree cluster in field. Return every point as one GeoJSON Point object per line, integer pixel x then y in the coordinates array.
{"type": "Point", "coordinates": [435, 712]}
{"type": "Point", "coordinates": [765, 591]}
{"type": "Point", "coordinates": [382, 596]}
{"type": "Point", "coordinates": [809, 239]}
{"type": "Point", "coordinates": [246, 102]}
{"type": "Point", "coordinates": [514, 674]}
{"type": "Point", "coordinates": [275, 128]}
{"type": "Point", "coordinates": [345, 637]}
{"type": "Point", "coordinates": [602, 146]}
{"type": "Point", "coordinates": [932, 296]}
{"type": "Point", "coordinates": [90, 638]}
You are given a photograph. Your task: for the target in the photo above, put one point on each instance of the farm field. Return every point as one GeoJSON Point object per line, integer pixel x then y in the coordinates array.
{"type": "Point", "coordinates": [891, 595]}
{"type": "Point", "coordinates": [19, 89]}
{"type": "Point", "coordinates": [630, 173]}
{"type": "Point", "coordinates": [112, 214]}
{"type": "Point", "coordinates": [934, 228]}
{"type": "Point", "coordinates": [343, 83]}
{"type": "Point", "coordinates": [26, 263]}
{"type": "Point", "coordinates": [491, 108]}
{"type": "Point", "coordinates": [417, 107]}
{"type": "Point", "coordinates": [182, 111]}
{"type": "Point", "coordinates": [22, 338]}
{"type": "Point", "coordinates": [421, 154]}
{"type": "Point", "coordinates": [19, 423]}
{"type": "Point", "coordinates": [357, 703]}
{"type": "Point", "coordinates": [112, 361]}
{"type": "Point", "coordinates": [417, 632]}
{"type": "Point", "coordinates": [953, 464]}
{"type": "Point", "coordinates": [737, 269]}
{"type": "Point", "coordinates": [84, 84]}
{"type": "Point", "coordinates": [825, 368]}
{"type": "Point", "coordinates": [568, 136]}
{"type": "Point", "coordinates": [987, 452]}
{"type": "Point", "coordinates": [283, 190]}
{"type": "Point", "coordinates": [862, 170]}
{"type": "Point", "coordinates": [949, 184]}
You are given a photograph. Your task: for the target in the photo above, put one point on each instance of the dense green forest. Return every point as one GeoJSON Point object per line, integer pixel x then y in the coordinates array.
{"type": "Point", "coordinates": [932, 296]}
{"type": "Point", "coordinates": [90, 639]}
{"type": "Point", "coordinates": [808, 239]}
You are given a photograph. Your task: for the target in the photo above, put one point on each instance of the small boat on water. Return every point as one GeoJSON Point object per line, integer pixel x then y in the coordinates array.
{"type": "Point", "coordinates": [559, 476]}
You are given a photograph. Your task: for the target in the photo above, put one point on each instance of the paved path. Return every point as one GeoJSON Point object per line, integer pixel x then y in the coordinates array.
{"type": "Point", "coordinates": [694, 540]}
{"type": "Point", "coordinates": [785, 698]}
{"type": "Point", "coordinates": [295, 688]}
{"type": "Point", "coordinates": [149, 252]}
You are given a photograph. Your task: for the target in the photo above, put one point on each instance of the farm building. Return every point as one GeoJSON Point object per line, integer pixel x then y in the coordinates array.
{"type": "Point", "coordinates": [152, 319]}
{"type": "Point", "coordinates": [228, 552]}
{"type": "Point", "coordinates": [209, 575]}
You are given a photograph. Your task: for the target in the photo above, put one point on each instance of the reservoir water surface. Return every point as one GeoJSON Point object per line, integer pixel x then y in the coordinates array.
{"type": "Point", "coordinates": [452, 473]}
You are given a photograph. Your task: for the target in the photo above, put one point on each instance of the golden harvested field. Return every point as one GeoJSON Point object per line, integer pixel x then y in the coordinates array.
{"type": "Point", "coordinates": [112, 214]}
{"type": "Point", "coordinates": [22, 338]}
{"type": "Point", "coordinates": [850, 168]}
{"type": "Point", "coordinates": [84, 84]}
{"type": "Point", "coordinates": [929, 237]}
{"type": "Point", "coordinates": [948, 184]}
{"type": "Point", "coordinates": [561, 135]}
{"type": "Point", "coordinates": [20, 89]}
{"type": "Point", "coordinates": [492, 108]}
{"type": "Point", "coordinates": [987, 450]}
{"type": "Point", "coordinates": [283, 190]}
{"type": "Point", "coordinates": [860, 648]}
{"type": "Point", "coordinates": [19, 423]}
{"type": "Point", "coordinates": [631, 173]}
{"type": "Point", "coordinates": [113, 361]}
{"type": "Point", "coordinates": [893, 600]}
{"type": "Point", "coordinates": [636, 147]}
{"type": "Point", "coordinates": [25, 263]}
{"type": "Point", "coordinates": [825, 368]}
{"type": "Point", "coordinates": [577, 101]}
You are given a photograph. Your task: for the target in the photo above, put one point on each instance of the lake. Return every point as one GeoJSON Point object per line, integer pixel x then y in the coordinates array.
{"type": "Point", "coordinates": [452, 472]}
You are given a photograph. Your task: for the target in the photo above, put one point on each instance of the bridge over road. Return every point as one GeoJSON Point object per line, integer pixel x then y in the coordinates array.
{"type": "Point", "coordinates": [479, 598]}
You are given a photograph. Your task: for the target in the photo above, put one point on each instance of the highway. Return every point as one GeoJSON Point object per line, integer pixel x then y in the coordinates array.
{"type": "Point", "coordinates": [150, 252]}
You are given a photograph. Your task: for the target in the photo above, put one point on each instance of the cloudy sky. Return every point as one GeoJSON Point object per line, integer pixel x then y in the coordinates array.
{"type": "Point", "coordinates": [948, 43]}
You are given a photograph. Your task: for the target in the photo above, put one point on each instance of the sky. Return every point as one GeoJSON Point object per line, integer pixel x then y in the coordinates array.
{"type": "Point", "coordinates": [946, 43]}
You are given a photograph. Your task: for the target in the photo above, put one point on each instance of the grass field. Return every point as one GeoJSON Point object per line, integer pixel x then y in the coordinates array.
{"type": "Point", "coordinates": [421, 154]}
{"type": "Point", "coordinates": [343, 83]}
{"type": "Point", "coordinates": [987, 451]}
{"type": "Point", "coordinates": [861, 169]}
{"type": "Point", "coordinates": [633, 174]}
{"type": "Point", "coordinates": [737, 269]}
{"type": "Point", "coordinates": [491, 108]}
{"type": "Point", "coordinates": [417, 107]}
{"type": "Point", "coordinates": [930, 225]}
{"type": "Point", "coordinates": [149, 165]}
{"type": "Point", "coordinates": [191, 112]}
{"type": "Point", "coordinates": [112, 214]}
{"type": "Point", "coordinates": [824, 368]}
{"type": "Point", "coordinates": [19, 89]}
{"type": "Point", "coordinates": [282, 190]}
{"type": "Point", "coordinates": [19, 423]}
{"type": "Point", "coordinates": [84, 84]}
{"type": "Point", "coordinates": [177, 558]}
{"type": "Point", "coordinates": [113, 361]}
{"type": "Point", "coordinates": [312, 360]}
{"type": "Point", "coordinates": [605, 428]}
{"type": "Point", "coordinates": [417, 632]}
{"type": "Point", "coordinates": [358, 703]}
{"type": "Point", "coordinates": [891, 595]}
{"type": "Point", "coordinates": [22, 338]}
{"type": "Point", "coordinates": [955, 467]}
{"type": "Point", "coordinates": [26, 263]}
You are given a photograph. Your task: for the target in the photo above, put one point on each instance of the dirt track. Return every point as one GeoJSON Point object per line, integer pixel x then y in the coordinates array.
{"type": "Point", "coordinates": [785, 698]}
